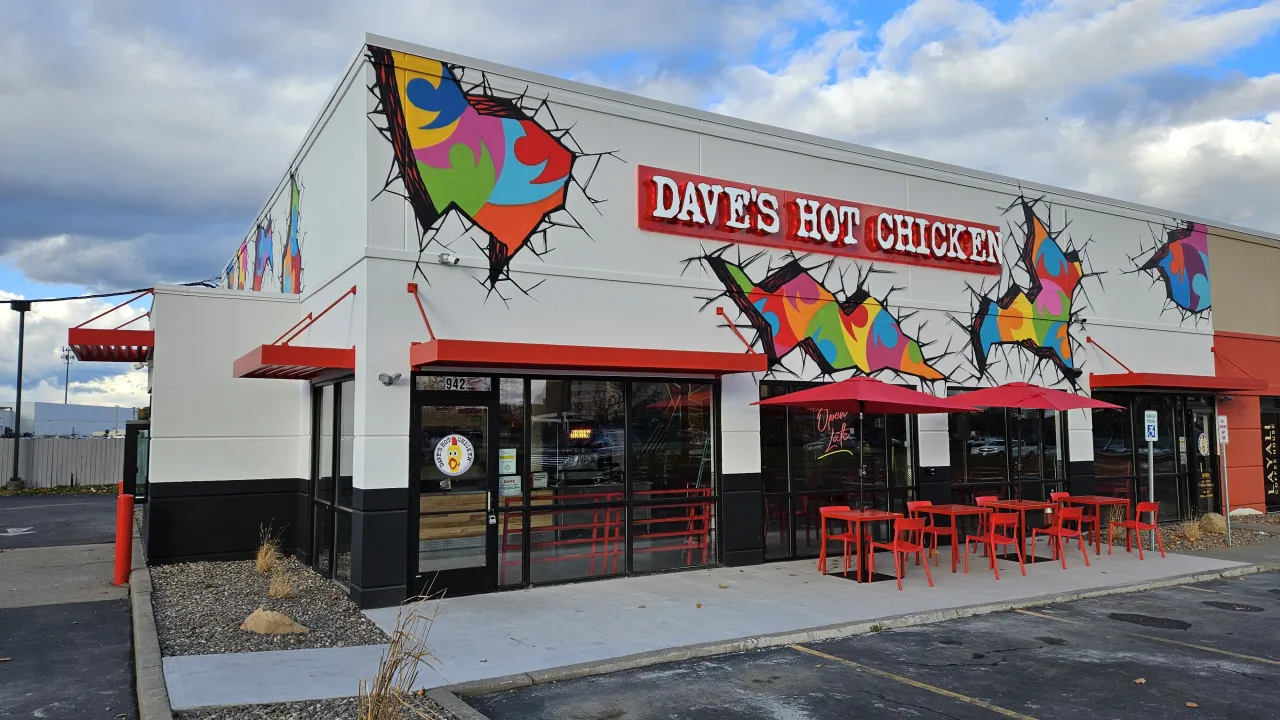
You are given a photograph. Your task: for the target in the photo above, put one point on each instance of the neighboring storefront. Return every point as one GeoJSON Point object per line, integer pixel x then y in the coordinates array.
{"type": "Point", "coordinates": [495, 329]}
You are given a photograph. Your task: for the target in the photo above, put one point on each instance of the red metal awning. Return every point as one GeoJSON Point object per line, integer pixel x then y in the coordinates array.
{"type": "Point", "coordinates": [99, 345]}
{"type": "Point", "coordinates": [1171, 381]}
{"type": "Point", "coordinates": [486, 354]}
{"type": "Point", "coordinates": [282, 361]}
{"type": "Point", "coordinates": [113, 344]}
{"type": "Point", "coordinates": [293, 362]}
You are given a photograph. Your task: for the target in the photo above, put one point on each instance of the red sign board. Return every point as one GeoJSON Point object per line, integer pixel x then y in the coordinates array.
{"type": "Point", "coordinates": [711, 209]}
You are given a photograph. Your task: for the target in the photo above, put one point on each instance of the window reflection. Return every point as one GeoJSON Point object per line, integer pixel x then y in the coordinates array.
{"type": "Point", "coordinates": [577, 435]}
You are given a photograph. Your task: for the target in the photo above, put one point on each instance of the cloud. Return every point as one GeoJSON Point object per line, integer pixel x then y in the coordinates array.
{"type": "Point", "coordinates": [1114, 98]}
{"type": "Point", "coordinates": [43, 369]}
{"type": "Point", "coordinates": [154, 130]}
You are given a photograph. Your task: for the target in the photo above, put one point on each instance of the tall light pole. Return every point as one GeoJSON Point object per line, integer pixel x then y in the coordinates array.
{"type": "Point", "coordinates": [22, 307]}
{"type": "Point", "coordinates": [67, 355]}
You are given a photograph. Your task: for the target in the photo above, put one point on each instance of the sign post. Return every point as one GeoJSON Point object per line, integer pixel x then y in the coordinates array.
{"type": "Point", "coordinates": [1222, 452]}
{"type": "Point", "coordinates": [1151, 435]}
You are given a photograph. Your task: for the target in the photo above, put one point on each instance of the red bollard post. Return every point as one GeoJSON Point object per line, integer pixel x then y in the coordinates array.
{"type": "Point", "coordinates": [124, 538]}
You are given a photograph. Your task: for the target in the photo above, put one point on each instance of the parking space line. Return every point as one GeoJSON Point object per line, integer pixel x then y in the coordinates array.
{"type": "Point", "coordinates": [1193, 587]}
{"type": "Point", "coordinates": [914, 683]}
{"type": "Point", "coordinates": [1219, 592]}
{"type": "Point", "coordinates": [1157, 638]}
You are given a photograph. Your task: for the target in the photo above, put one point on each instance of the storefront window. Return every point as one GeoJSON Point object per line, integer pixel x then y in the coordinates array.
{"type": "Point", "coordinates": [812, 458]}
{"type": "Point", "coordinates": [1008, 452]}
{"type": "Point", "coordinates": [346, 440]}
{"type": "Point", "coordinates": [1112, 443]}
{"type": "Point", "coordinates": [1164, 459]}
{"type": "Point", "coordinates": [342, 547]}
{"type": "Point", "coordinates": [324, 445]}
{"type": "Point", "coordinates": [577, 457]}
{"type": "Point", "coordinates": [978, 446]}
{"type": "Point", "coordinates": [672, 465]}
{"type": "Point", "coordinates": [578, 434]}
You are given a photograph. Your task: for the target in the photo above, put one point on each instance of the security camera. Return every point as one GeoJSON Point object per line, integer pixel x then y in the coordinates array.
{"type": "Point", "coordinates": [449, 259]}
{"type": "Point", "coordinates": [388, 380]}
{"type": "Point", "coordinates": [139, 366]}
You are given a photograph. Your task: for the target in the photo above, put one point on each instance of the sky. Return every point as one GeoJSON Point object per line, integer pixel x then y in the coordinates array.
{"type": "Point", "coordinates": [138, 138]}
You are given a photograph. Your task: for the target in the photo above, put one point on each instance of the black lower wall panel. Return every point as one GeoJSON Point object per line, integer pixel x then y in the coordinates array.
{"type": "Point", "coordinates": [217, 520]}
{"type": "Point", "coordinates": [939, 493]}
{"type": "Point", "coordinates": [743, 516]}
{"type": "Point", "coordinates": [379, 557]}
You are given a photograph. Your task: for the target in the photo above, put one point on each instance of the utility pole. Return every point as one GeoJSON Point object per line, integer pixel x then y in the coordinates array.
{"type": "Point", "coordinates": [22, 307]}
{"type": "Point", "coordinates": [67, 354]}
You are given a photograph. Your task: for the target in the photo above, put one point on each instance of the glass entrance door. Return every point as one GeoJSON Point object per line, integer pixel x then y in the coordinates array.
{"type": "Point", "coordinates": [1201, 485]}
{"type": "Point", "coordinates": [454, 548]}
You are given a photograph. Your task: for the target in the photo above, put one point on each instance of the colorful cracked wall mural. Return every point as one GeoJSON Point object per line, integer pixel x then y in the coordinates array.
{"type": "Point", "coordinates": [263, 254]}
{"type": "Point", "coordinates": [498, 162]}
{"type": "Point", "coordinates": [792, 309]}
{"type": "Point", "coordinates": [1180, 261]}
{"type": "Point", "coordinates": [236, 276]}
{"type": "Point", "coordinates": [1037, 318]}
{"type": "Point", "coordinates": [255, 263]}
{"type": "Point", "coordinates": [291, 253]}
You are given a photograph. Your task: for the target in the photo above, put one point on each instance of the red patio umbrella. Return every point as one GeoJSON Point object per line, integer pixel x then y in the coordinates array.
{"type": "Point", "coordinates": [868, 395]}
{"type": "Point", "coordinates": [1029, 397]}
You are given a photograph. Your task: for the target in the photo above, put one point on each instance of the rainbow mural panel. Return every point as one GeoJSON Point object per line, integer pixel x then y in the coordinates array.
{"type": "Point", "coordinates": [291, 253]}
{"type": "Point", "coordinates": [471, 152]}
{"type": "Point", "coordinates": [1037, 318]}
{"type": "Point", "coordinates": [790, 310]}
{"type": "Point", "coordinates": [263, 254]}
{"type": "Point", "coordinates": [1182, 264]}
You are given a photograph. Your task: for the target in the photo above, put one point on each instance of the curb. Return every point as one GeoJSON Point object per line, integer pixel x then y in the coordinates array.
{"type": "Point", "coordinates": [153, 694]}
{"type": "Point", "coordinates": [818, 634]}
{"type": "Point", "coordinates": [454, 705]}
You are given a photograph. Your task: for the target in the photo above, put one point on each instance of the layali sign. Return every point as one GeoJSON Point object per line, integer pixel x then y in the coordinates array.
{"type": "Point", "coordinates": [713, 209]}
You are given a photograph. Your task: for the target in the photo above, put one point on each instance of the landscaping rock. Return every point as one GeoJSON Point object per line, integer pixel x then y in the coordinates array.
{"type": "Point", "coordinates": [270, 622]}
{"type": "Point", "coordinates": [1245, 512]}
{"type": "Point", "coordinates": [1213, 523]}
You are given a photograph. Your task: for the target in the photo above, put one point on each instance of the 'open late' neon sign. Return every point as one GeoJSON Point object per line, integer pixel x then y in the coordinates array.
{"type": "Point", "coordinates": [696, 206]}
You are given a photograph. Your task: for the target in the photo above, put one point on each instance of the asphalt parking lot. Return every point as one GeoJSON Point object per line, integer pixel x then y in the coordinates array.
{"type": "Point", "coordinates": [65, 631]}
{"type": "Point", "coordinates": [28, 521]}
{"type": "Point", "coordinates": [1215, 645]}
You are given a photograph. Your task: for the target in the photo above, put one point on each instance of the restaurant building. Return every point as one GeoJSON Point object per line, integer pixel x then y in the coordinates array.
{"type": "Point", "coordinates": [495, 329]}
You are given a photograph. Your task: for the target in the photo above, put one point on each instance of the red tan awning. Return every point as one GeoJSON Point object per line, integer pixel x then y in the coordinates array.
{"type": "Point", "coordinates": [102, 345]}
{"type": "Point", "coordinates": [293, 362]}
{"type": "Point", "coordinates": [1174, 382]}
{"type": "Point", "coordinates": [485, 354]}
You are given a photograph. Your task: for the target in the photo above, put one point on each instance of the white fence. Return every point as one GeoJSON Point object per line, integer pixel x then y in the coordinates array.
{"type": "Point", "coordinates": [59, 462]}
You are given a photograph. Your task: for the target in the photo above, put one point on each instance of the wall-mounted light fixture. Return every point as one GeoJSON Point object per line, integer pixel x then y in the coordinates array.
{"type": "Point", "coordinates": [390, 379]}
{"type": "Point", "coordinates": [1226, 398]}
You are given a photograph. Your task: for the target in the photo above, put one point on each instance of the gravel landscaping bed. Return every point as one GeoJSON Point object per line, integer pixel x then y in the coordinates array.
{"type": "Point", "coordinates": [307, 710]}
{"type": "Point", "coordinates": [199, 607]}
{"type": "Point", "coordinates": [1176, 541]}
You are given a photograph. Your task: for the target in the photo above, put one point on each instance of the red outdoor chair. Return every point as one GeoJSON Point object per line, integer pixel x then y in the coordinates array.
{"type": "Point", "coordinates": [1059, 530]}
{"type": "Point", "coordinates": [847, 537]}
{"type": "Point", "coordinates": [994, 539]}
{"type": "Point", "coordinates": [1135, 525]}
{"type": "Point", "coordinates": [1086, 520]}
{"type": "Point", "coordinates": [913, 511]}
{"type": "Point", "coordinates": [983, 501]}
{"type": "Point", "coordinates": [901, 546]}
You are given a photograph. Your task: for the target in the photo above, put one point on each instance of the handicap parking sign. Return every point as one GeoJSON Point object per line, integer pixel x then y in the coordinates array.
{"type": "Point", "coordinates": [1150, 418]}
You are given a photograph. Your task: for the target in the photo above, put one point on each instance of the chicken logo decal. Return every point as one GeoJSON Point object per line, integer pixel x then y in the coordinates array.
{"type": "Point", "coordinates": [454, 455]}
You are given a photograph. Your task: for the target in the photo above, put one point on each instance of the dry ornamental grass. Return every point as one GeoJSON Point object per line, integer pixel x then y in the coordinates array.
{"type": "Point", "coordinates": [281, 586]}
{"type": "Point", "coordinates": [389, 696]}
{"type": "Point", "coordinates": [268, 550]}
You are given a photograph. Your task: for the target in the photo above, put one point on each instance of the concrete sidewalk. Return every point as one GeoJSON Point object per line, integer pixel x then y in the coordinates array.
{"type": "Point", "coordinates": [507, 635]}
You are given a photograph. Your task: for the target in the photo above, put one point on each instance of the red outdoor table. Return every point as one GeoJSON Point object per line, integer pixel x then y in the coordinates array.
{"type": "Point", "coordinates": [1097, 502]}
{"type": "Point", "coordinates": [953, 512]}
{"type": "Point", "coordinates": [1021, 506]}
{"type": "Point", "coordinates": [858, 518]}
